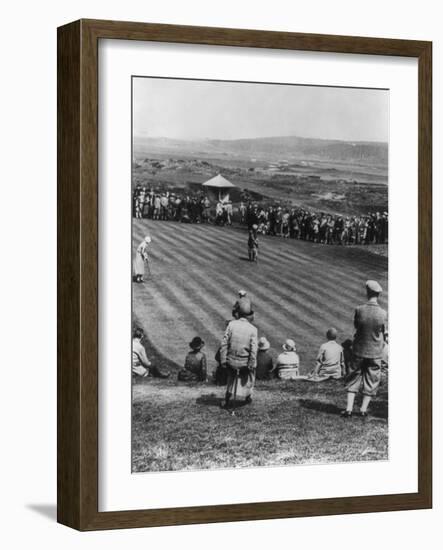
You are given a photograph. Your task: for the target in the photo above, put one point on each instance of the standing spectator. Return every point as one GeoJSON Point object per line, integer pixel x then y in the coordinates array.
{"type": "Point", "coordinates": [252, 216]}
{"type": "Point", "coordinates": [164, 202]}
{"type": "Point", "coordinates": [338, 230]}
{"type": "Point", "coordinates": [242, 211]}
{"type": "Point", "coordinates": [279, 222]}
{"type": "Point", "coordinates": [370, 322]}
{"type": "Point", "coordinates": [238, 354]}
{"type": "Point", "coordinates": [271, 220]}
{"type": "Point", "coordinates": [285, 225]}
{"type": "Point", "coordinates": [219, 218]}
{"type": "Point", "coordinates": [157, 208]}
{"type": "Point", "coordinates": [228, 212]}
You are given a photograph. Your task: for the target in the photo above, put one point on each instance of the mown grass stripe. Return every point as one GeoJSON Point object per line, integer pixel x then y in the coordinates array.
{"type": "Point", "coordinates": [298, 290]}
{"type": "Point", "coordinates": [353, 280]}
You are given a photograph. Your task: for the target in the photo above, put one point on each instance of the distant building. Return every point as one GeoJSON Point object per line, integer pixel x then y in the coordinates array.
{"type": "Point", "coordinates": [218, 188]}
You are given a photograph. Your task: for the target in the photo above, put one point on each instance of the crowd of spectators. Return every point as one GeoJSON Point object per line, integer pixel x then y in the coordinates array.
{"type": "Point", "coordinates": [300, 223]}
{"type": "Point", "coordinates": [276, 220]}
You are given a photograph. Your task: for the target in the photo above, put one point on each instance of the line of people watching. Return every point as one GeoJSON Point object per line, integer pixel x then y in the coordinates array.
{"type": "Point", "coordinates": [185, 208]}
{"type": "Point", "coordinates": [324, 228]}
{"type": "Point", "coordinates": [242, 356]}
{"type": "Point", "coordinates": [286, 222]}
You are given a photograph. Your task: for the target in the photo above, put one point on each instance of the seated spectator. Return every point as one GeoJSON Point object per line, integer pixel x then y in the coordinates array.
{"type": "Point", "coordinates": [141, 365]}
{"type": "Point", "coordinates": [195, 363]}
{"type": "Point", "coordinates": [330, 359]}
{"type": "Point", "coordinates": [265, 362]}
{"type": "Point", "coordinates": [288, 362]}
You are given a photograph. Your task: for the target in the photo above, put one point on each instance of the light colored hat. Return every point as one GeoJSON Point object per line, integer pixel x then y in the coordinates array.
{"type": "Point", "coordinates": [263, 343]}
{"type": "Point", "coordinates": [373, 286]}
{"type": "Point", "coordinates": [242, 292]}
{"type": "Point", "coordinates": [148, 239]}
{"type": "Point", "coordinates": [289, 345]}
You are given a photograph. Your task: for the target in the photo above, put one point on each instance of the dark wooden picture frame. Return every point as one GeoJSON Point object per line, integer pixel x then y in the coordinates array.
{"type": "Point", "coordinates": [77, 480]}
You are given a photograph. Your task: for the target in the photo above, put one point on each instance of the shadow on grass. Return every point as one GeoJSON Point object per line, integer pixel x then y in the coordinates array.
{"type": "Point", "coordinates": [377, 409]}
{"type": "Point", "coordinates": [155, 356]}
{"type": "Point", "coordinates": [213, 400]}
{"type": "Point", "coordinates": [319, 406]}
{"type": "Point", "coordinates": [209, 399]}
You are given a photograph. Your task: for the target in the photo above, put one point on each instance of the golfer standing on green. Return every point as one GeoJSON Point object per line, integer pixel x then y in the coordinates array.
{"type": "Point", "coordinates": [141, 256]}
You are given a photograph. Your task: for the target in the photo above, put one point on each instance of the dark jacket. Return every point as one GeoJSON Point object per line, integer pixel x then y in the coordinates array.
{"type": "Point", "coordinates": [265, 364]}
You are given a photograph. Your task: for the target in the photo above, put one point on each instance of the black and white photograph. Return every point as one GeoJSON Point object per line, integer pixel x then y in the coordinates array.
{"type": "Point", "coordinates": [259, 274]}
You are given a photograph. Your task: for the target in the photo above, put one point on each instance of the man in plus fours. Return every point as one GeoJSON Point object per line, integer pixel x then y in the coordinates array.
{"type": "Point", "coordinates": [370, 323]}
{"type": "Point", "coordinates": [238, 354]}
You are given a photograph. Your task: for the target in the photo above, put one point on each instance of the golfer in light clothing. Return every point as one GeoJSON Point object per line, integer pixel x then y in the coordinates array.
{"type": "Point", "coordinates": [141, 257]}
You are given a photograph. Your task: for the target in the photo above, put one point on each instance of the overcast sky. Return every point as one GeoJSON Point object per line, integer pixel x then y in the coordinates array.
{"type": "Point", "coordinates": [193, 109]}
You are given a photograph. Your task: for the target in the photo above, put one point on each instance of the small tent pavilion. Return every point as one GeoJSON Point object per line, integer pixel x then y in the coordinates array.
{"type": "Point", "coordinates": [218, 188]}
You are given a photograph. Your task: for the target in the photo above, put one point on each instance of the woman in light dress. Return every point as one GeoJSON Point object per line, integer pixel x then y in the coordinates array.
{"type": "Point", "coordinates": [141, 256]}
{"type": "Point", "coordinates": [288, 362]}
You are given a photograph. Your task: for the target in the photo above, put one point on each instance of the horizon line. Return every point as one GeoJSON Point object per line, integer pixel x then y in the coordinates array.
{"type": "Point", "coordinates": [138, 136]}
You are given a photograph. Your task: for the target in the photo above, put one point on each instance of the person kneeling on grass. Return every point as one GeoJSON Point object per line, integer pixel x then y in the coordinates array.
{"type": "Point", "coordinates": [288, 362]}
{"type": "Point", "coordinates": [141, 365]}
{"type": "Point", "coordinates": [330, 359]}
{"type": "Point", "coordinates": [195, 363]}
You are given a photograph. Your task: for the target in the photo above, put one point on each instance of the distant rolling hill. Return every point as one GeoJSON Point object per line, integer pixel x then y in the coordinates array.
{"type": "Point", "coordinates": [273, 148]}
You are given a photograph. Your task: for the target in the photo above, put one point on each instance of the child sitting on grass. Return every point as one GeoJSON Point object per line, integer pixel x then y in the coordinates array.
{"type": "Point", "coordinates": [195, 363]}
{"type": "Point", "coordinates": [330, 359]}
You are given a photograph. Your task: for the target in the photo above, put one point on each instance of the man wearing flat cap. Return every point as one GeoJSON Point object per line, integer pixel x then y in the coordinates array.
{"type": "Point", "coordinates": [370, 322]}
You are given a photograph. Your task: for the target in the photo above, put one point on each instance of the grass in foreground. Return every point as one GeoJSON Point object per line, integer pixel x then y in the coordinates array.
{"type": "Point", "coordinates": [181, 427]}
